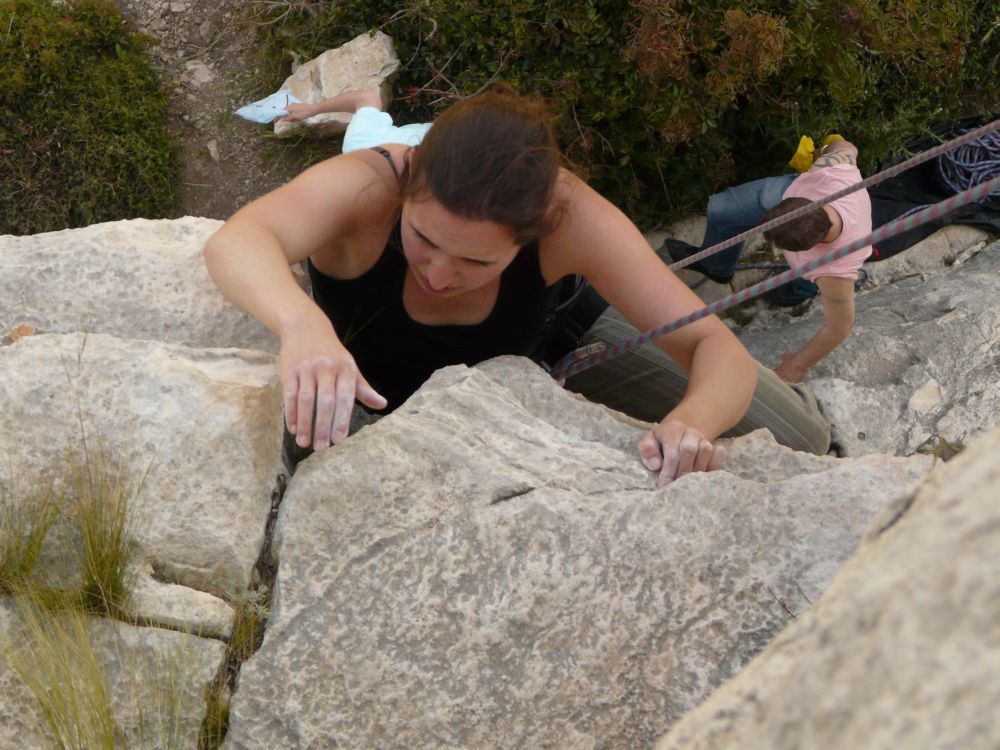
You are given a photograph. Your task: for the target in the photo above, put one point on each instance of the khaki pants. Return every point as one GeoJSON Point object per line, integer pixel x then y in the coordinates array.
{"type": "Point", "coordinates": [646, 384]}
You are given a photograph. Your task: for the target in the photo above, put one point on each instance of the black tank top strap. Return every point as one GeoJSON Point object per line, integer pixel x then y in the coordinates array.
{"type": "Point", "coordinates": [388, 158]}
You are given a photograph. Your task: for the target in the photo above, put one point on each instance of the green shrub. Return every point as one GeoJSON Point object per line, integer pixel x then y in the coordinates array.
{"type": "Point", "coordinates": [665, 101]}
{"type": "Point", "coordinates": [82, 119]}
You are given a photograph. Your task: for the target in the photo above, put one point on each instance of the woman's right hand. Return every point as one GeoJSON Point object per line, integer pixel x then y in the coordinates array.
{"type": "Point", "coordinates": [319, 374]}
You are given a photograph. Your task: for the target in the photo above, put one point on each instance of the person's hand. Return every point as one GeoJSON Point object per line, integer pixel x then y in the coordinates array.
{"type": "Point", "coordinates": [318, 373]}
{"type": "Point", "coordinates": [789, 370]}
{"type": "Point", "coordinates": [296, 112]}
{"type": "Point", "coordinates": [673, 449]}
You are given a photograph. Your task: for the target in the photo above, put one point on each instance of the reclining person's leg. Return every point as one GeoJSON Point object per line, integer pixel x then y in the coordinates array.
{"type": "Point", "coordinates": [646, 384]}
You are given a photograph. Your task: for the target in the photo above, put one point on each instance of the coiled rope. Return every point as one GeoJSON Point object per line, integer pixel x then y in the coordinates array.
{"type": "Point", "coordinates": [968, 165]}
{"type": "Point", "coordinates": [572, 364]}
{"type": "Point", "coordinates": [971, 164]}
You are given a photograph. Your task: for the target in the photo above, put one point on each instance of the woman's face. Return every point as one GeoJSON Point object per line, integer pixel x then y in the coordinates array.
{"type": "Point", "coordinates": [450, 255]}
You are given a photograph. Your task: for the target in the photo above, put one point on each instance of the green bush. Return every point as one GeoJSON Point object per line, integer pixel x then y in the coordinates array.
{"type": "Point", "coordinates": [665, 101]}
{"type": "Point", "coordinates": [82, 119]}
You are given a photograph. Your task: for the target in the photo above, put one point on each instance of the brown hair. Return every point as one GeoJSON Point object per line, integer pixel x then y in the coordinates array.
{"type": "Point", "coordinates": [493, 157]}
{"type": "Point", "coordinates": [801, 233]}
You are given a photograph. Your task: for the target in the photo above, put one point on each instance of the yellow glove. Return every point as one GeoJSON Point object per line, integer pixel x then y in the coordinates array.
{"type": "Point", "coordinates": [831, 138]}
{"type": "Point", "coordinates": [802, 159]}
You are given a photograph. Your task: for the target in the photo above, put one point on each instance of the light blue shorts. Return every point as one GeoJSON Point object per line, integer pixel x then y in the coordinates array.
{"type": "Point", "coordinates": [371, 127]}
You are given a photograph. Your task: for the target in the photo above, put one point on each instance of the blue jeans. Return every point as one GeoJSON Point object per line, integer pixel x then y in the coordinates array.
{"type": "Point", "coordinates": [736, 210]}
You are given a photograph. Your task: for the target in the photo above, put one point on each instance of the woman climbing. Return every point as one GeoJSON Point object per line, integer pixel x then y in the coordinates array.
{"type": "Point", "coordinates": [450, 252]}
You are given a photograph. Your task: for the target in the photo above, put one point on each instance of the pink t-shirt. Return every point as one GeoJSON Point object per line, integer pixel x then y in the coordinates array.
{"type": "Point", "coordinates": [855, 211]}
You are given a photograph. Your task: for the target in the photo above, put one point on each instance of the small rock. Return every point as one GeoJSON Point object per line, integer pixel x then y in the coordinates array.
{"type": "Point", "coordinates": [213, 150]}
{"type": "Point", "coordinates": [179, 7]}
{"type": "Point", "coordinates": [198, 73]}
{"type": "Point", "coordinates": [205, 30]}
{"type": "Point", "coordinates": [926, 398]}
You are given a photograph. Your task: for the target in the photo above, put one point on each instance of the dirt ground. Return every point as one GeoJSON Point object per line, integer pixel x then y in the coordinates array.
{"type": "Point", "coordinates": [205, 49]}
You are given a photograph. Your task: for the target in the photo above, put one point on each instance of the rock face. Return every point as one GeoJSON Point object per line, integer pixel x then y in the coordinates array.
{"type": "Point", "coordinates": [155, 678]}
{"type": "Point", "coordinates": [928, 257]}
{"type": "Point", "coordinates": [903, 650]}
{"type": "Point", "coordinates": [922, 366]}
{"type": "Point", "coordinates": [491, 566]}
{"type": "Point", "coordinates": [136, 279]}
{"type": "Point", "coordinates": [202, 426]}
{"type": "Point", "coordinates": [365, 62]}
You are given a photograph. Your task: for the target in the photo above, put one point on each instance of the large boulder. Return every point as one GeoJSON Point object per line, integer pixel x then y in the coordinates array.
{"type": "Point", "coordinates": [200, 427]}
{"type": "Point", "coordinates": [137, 279]}
{"type": "Point", "coordinates": [155, 682]}
{"type": "Point", "coordinates": [902, 651]}
{"type": "Point", "coordinates": [491, 566]}
{"type": "Point", "coordinates": [919, 371]}
{"type": "Point", "coordinates": [365, 62]}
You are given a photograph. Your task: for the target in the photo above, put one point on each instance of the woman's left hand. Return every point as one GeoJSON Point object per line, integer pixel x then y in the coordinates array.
{"type": "Point", "coordinates": [673, 448]}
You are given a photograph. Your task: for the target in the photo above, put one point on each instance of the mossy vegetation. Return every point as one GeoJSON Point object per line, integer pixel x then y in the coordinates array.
{"type": "Point", "coordinates": [83, 136]}
{"type": "Point", "coordinates": [55, 601]}
{"type": "Point", "coordinates": [54, 658]}
{"type": "Point", "coordinates": [251, 611]}
{"type": "Point", "coordinates": [103, 505]}
{"type": "Point", "coordinates": [663, 102]}
{"type": "Point", "coordinates": [24, 526]}
{"type": "Point", "coordinates": [52, 649]}
{"type": "Point", "coordinates": [94, 505]}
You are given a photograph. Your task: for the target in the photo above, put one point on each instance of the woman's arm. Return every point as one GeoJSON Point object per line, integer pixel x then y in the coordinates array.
{"type": "Point", "coordinates": [248, 258]}
{"type": "Point", "coordinates": [597, 240]}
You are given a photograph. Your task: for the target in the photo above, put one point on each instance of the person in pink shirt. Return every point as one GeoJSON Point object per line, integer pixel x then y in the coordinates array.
{"type": "Point", "coordinates": [839, 223]}
{"type": "Point", "coordinates": [834, 225]}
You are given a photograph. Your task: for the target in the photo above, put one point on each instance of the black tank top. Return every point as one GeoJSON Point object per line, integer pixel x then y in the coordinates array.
{"type": "Point", "coordinates": [395, 353]}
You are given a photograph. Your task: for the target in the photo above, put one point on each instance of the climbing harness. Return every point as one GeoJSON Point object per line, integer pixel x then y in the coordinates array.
{"type": "Point", "coordinates": [573, 363]}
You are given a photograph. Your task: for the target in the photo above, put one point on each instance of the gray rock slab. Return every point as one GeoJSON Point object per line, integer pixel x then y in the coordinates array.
{"type": "Point", "coordinates": [365, 62]}
{"type": "Point", "coordinates": [921, 366]}
{"type": "Point", "coordinates": [902, 651]}
{"type": "Point", "coordinates": [491, 566]}
{"type": "Point", "coordinates": [929, 256]}
{"type": "Point", "coordinates": [156, 681]}
{"type": "Point", "coordinates": [200, 427]}
{"type": "Point", "coordinates": [177, 607]}
{"type": "Point", "coordinates": [136, 279]}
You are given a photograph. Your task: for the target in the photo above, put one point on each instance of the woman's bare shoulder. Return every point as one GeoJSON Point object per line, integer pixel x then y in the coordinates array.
{"type": "Point", "coordinates": [327, 205]}
{"type": "Point", "coordinates": [585, 224]}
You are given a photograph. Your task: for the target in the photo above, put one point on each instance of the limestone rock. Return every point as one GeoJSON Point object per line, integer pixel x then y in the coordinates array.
{"type": "Point", "coordinates": [203, 426]}
{"type": "Point", "coordinates": [903, 650]}
{"type": "Point", "coordinates": [920, 369]}
{"type": "Point", "coordinates": [491, 566]}
{"type": "Point", "coordinates": [929, 256]}
{"type": "Point", "coordinates": [179, 607]}
{"type": "Point", "coordinates": [137, 279]}
{"type": "Point", "coordinates": [365, 62]}
{"type": "Point", "coordinates": [156, 681]}
{"type": "Point", "coordinates": [198, 73]}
